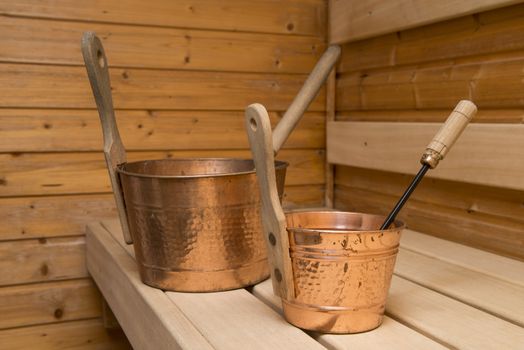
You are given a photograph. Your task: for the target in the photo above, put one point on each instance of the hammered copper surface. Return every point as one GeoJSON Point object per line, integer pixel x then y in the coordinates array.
{"type": "Point", "coordinates": [342, 269]}
{"type": "Point", "coordinates": [196, 223]}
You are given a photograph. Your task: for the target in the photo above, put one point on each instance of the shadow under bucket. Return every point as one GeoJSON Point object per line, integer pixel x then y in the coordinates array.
{"type": "Point", "coordinates": [342, 268]}
{"type": "Point", "coordinates": [196, 223]}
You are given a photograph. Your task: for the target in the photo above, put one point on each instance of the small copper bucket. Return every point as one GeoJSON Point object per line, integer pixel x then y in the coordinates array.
{"type": "Point", "coordinates": [342, 268]}
{"type": "Point", "coordinates": [331, 269]}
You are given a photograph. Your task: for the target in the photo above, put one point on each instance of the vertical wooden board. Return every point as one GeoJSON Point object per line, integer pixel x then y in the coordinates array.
{"type": "Point", "coordinates": [78, 335]}
{"type": "Point", "coordinates": [451, 322]}
{"type": "Point", "coordinates": [149, 89]}
{"type": "Point", "coordinates": [26, 130]}
{"type": "Point", "coordinates": [150, 319]}
{"type": "Point", "coordinates": [39, 217]}
{"type": "Point", "coordinates": [491, 294]}
{"type": "Point", "coordinates": [34, 304]}
{"type": "Point", "coordinates": [350, 20]}
{"type": "Point", "coordinates": [57, 42]}
{"type": "Point", "coordinates": [305, 17]}
{"type": "Point", "coordinates": [41, 260]}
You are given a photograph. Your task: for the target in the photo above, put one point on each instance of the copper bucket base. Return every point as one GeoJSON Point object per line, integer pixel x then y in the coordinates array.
{"type": "Point", "coordinates": [205, 281]}
{"type": "Point", "coordinates": [332, 319]}
{"type": "Point", "coordinates": [342, 269]}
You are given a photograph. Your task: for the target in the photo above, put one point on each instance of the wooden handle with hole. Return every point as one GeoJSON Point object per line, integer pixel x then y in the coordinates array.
{"type": "Point", "coordinates": [305, 96]}
{"type": "Point", "coordinates": [258, 129]}
{"type": "Point", "coordinates": [449, 133]}
{"type": "Point", "coordinates": [114, 151]}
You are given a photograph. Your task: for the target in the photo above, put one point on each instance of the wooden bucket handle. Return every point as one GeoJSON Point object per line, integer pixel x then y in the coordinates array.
{"type": "Point", "coordinates": [114, 151]}
{"type": "Point", "coordinates": [305, 96]}
{"type": "Point", "coordinates": [258, 128]}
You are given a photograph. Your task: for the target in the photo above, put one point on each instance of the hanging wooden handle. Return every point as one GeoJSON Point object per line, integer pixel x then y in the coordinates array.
{"type": "Point", "coordinates": [449, 133]}
{"type": "Point", "coordinates": [114, 151]}
{"type": "Point", "coordinates": [273, 219]}
{"type": "Point", "coordinates": [305, 96]}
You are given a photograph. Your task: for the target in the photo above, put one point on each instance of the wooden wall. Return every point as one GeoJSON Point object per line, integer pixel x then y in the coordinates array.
{"type": "Point", "coordinates": [182, 73]}
{"type": "Point", "coordinates": [418, 75]}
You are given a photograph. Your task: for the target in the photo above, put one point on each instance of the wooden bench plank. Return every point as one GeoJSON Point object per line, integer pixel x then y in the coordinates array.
{"type": "Point", "coordinates": [390, 335]}
{"type": "Point", "coordinates": [227, 319]}
{"type": "Point", "coordinates": [384, 146]}
{"type": "Point", "coordinates": [498, 297]}
{"type": "Point", "coordinates": [137, 306]}
{"type": "Point", "coordinates": [450, 321]}
{"type": "Point", "coordinates": [506, 269]}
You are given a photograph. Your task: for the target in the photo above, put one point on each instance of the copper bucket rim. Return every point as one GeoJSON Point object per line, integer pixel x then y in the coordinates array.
{"type": "Point", "coordinates": [119, 169]}
{"type": "Point", "coordinates": [398, 224]}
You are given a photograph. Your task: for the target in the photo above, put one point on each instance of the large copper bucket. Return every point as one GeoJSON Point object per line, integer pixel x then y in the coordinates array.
{"type": "Point", "coordinates": [331, 269]}
{"type": "Point", "coordinates": [342, 268]}
{"type": "Point", "coordinates": [195, 223]}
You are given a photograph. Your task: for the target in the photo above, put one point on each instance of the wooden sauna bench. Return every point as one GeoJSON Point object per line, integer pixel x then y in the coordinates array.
{"type": "Point", "coordinates": [443, 295]}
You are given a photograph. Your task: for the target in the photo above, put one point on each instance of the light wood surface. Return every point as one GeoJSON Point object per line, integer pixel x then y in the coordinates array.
{"type": "Point", "coordinates": [494, 265]}
{"type": "Point", "coordinates": [390, 335]}
{"type": "Point", "coordinates": [350, 20]}
{"type": "Point", "coordinates": [262, 144]}
{"type": "Point", "coordinates": [506, 299]}
{"type": "Point", "coordinates": [81, 335]}
{"type": "Point", "coordinates": [219, 316]}
{"type": "Point", "coordinates": [441, 310]}
{"type": "Point", "coordinates": [452, 322]}
{"type": "Point", "coordinates": [477, 157]}
{"type": "Point", "coordinates": [281, 17]}
{"type": "Point", "coordinates": [135, 304]}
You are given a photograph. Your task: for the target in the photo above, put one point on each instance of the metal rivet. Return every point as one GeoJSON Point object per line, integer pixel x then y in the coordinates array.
{"type": "Point", "coordinates": [278, 275]}
{"type": "Point", "coordinates": [272, 238]}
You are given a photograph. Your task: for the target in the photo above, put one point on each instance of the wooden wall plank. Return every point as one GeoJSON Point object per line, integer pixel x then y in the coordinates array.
{"type": "Point", "coordinates": [67, 87]}
{"type": "Point", "coordinates": [354, 20]}
{"type": "Point", "coordinates": [480, 34]}
{"type": "Point", "coordinates": [24, 130]}
{"type": "Point", "coordinates": [58, 42]}
{"type": "Point", "coordinates": [36, 217]}
{"type": "Point", "coordinates": [490, 84]}
{"type": "Point", "coordinates": [39, 260]}
{"type": "Point", "coordinates": [476, 158]}
{"type": "Point", "coordinates": [431, 116]}
{"type": "Point", "coordinates": [470, 199]}
{"type": "Point", "coordinates": [78, 335]}
{"type": "Point", "coordinates": [73, 173]}
{"type": "Point", "coordinates": [305, 17]}
{"type": "Point", "coordinates": [51, 302]}
{"type": "Point", "coordinates": [490, 233]}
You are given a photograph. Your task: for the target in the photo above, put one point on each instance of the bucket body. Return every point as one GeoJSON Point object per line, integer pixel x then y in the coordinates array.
{"type": "Point", "coordinates": [342, 269]}
{"type": "Point", "coordinates": [196, 223]}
